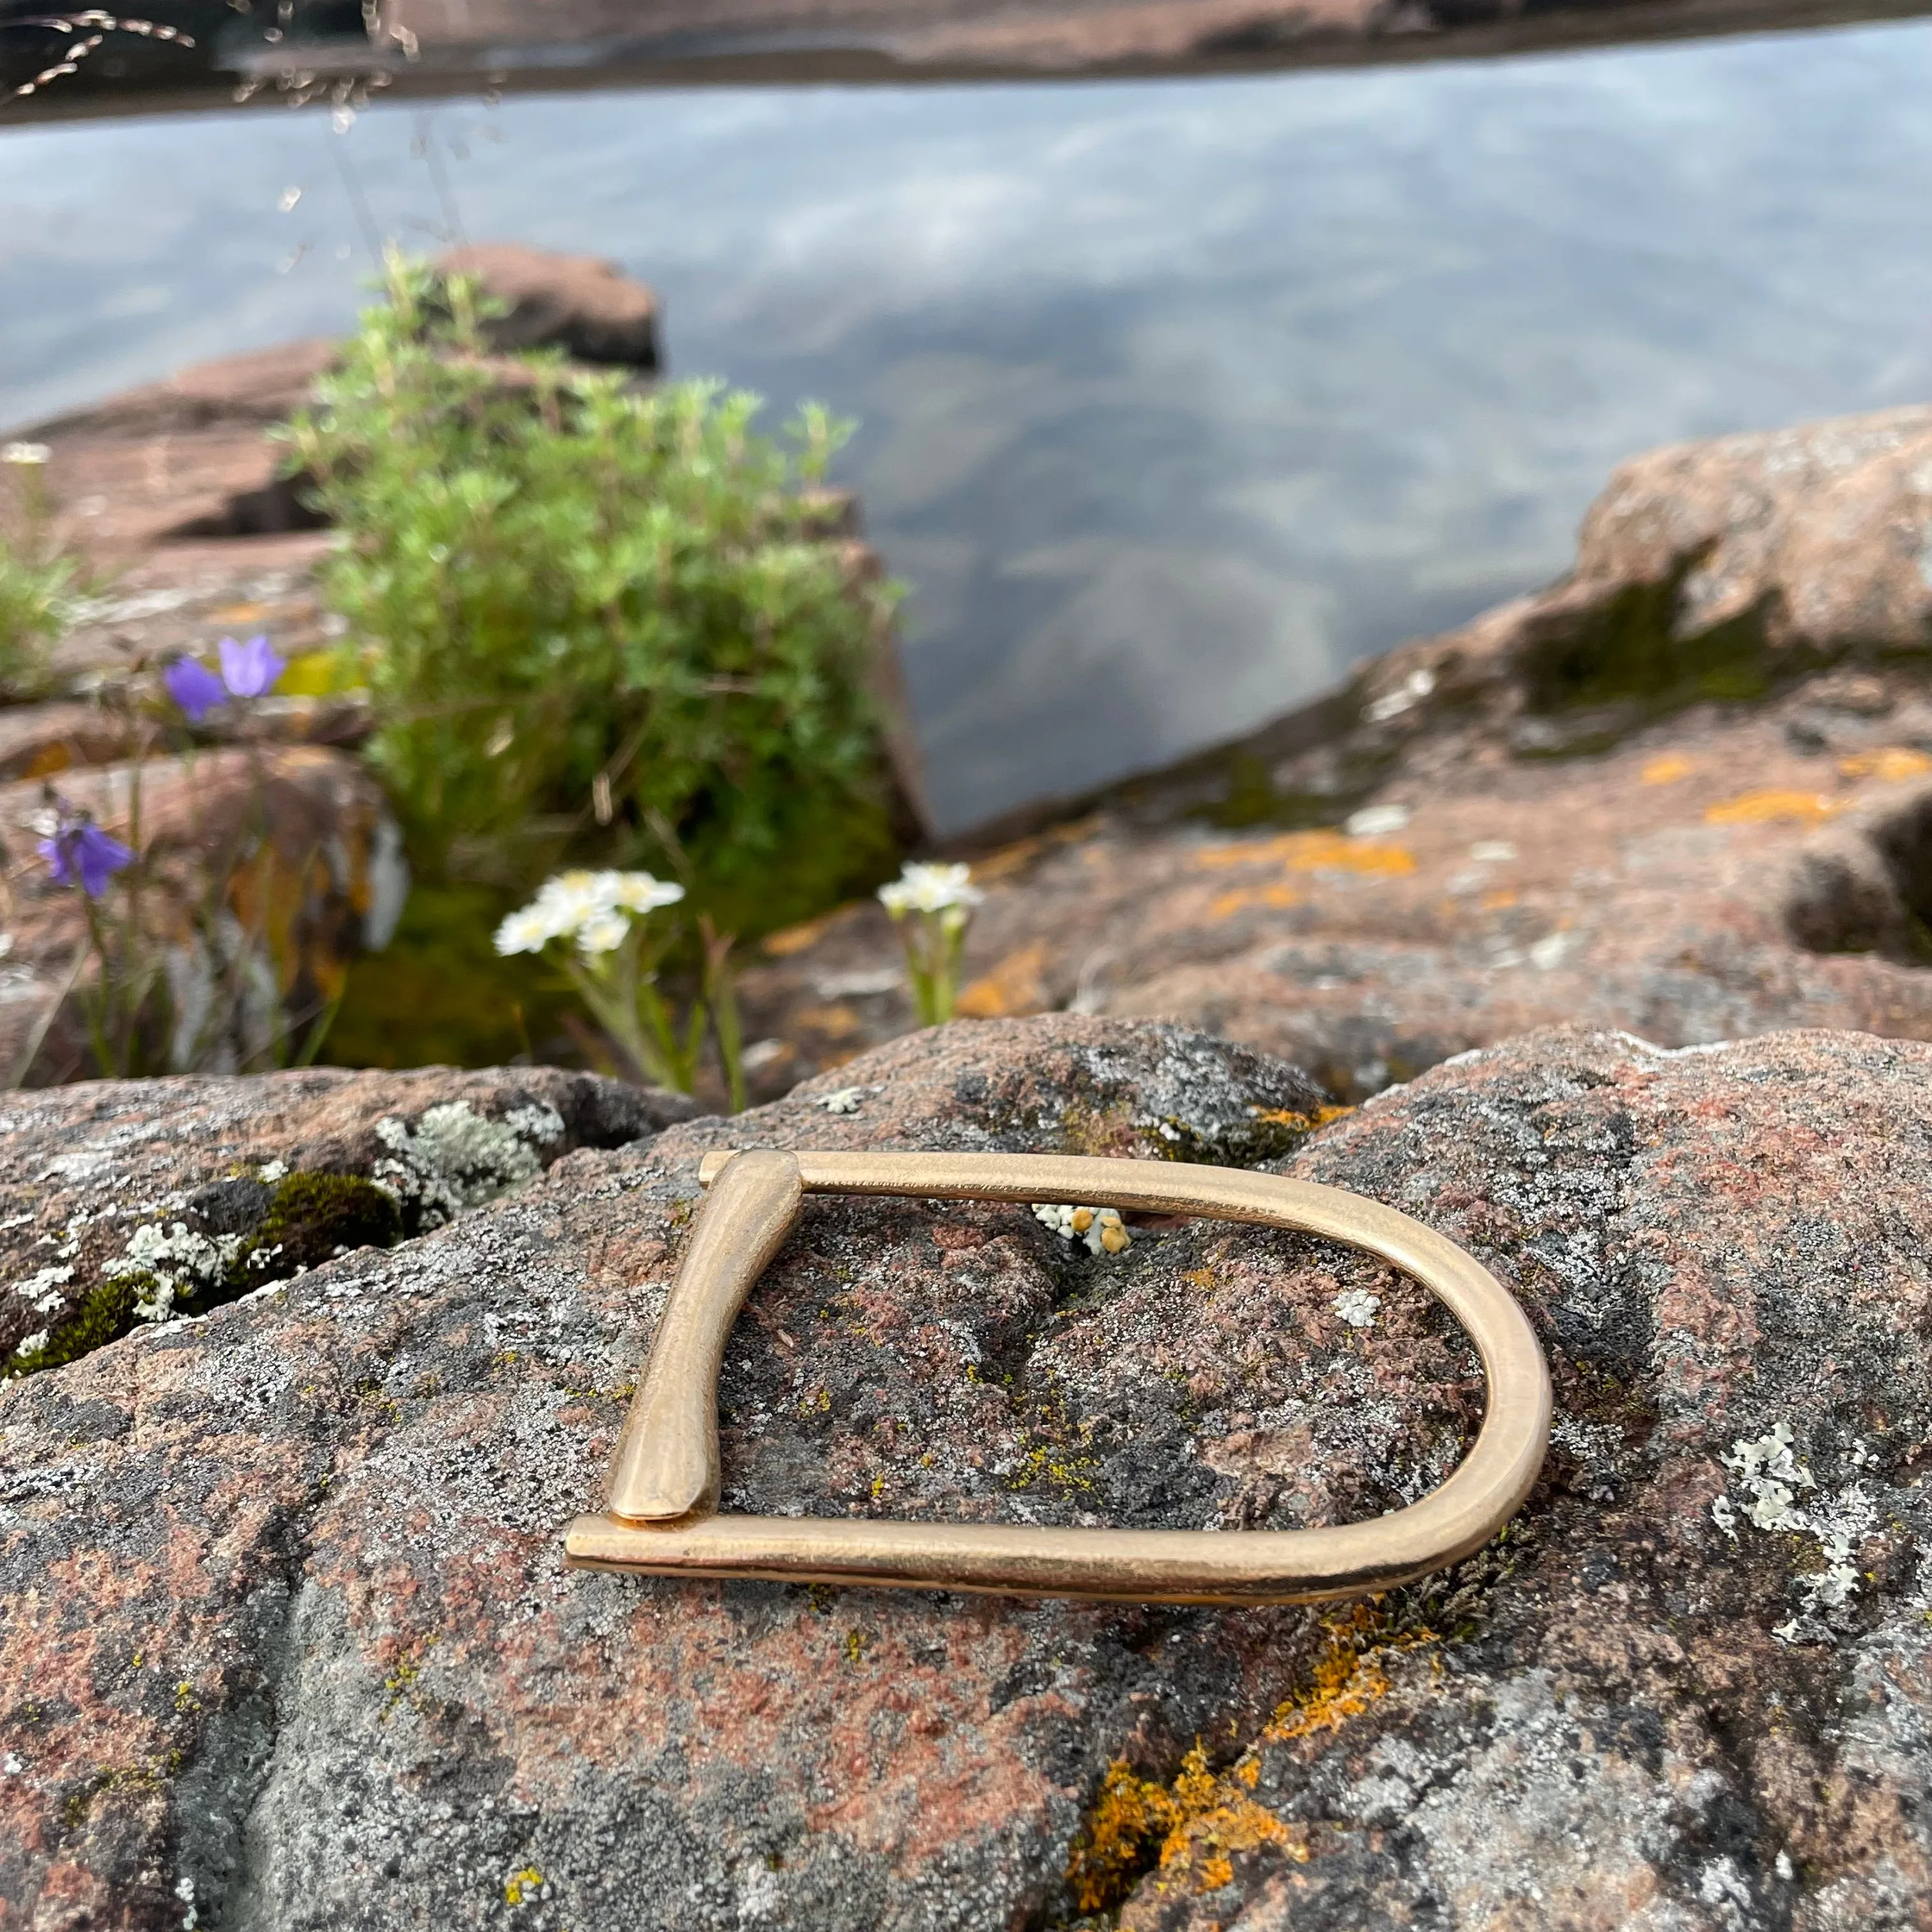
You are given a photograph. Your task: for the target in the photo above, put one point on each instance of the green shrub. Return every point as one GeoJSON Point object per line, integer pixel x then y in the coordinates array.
{"type": "Point", "coordinates": [601, 624]}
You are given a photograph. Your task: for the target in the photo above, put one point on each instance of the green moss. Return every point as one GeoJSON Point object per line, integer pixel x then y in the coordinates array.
{"type": "Point", "coordinates": [1626, 651]}
{"type": "Point", "coordinates": [1268, 1133]}
{"type": "Point", "coordinates": [1252, 800]}
{"type": "Point", "coordinates": [310, 1218]}
{"type": "Point", "coordinates": [314, 1216]}
{"type": "Point", "coordinates": [104, 1316]}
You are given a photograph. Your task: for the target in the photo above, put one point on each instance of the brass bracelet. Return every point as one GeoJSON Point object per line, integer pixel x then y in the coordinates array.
{"type": "Point", "coordinates": [663, 1491]}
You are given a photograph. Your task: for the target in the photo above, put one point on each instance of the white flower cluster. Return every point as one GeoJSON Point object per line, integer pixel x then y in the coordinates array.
{"type": "Point", "coordinates": [175, 1258]}
{"type": "Point", "coordinates": [595, 909]}
{"type": "Point", "coordinates": [923, 887]}
{"type": "Point", "coordinates": [1771, 1476]}
{"type": "Point", "coordinates": [455, 1158]}
{"type": "Point", "coordinates": [26, 455]}
{"type": "Point", "coordinates": [1099, 1227]}
{"type": "Point", "coordinates": [1357, 1306]}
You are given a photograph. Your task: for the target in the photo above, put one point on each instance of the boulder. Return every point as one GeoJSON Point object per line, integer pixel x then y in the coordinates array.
{"type": "Point", "coordinates": [586, 306]}
{"type": "Point", "coordinates": [267, 870]}
{"type": "Point", "coordinates": [289, 1641]}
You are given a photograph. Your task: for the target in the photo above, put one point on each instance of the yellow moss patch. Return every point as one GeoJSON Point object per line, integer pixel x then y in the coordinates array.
{"type": "Point", "coordinates": [1313, 852]}
{"type": "Point", "coordinates": [1773, 807]}
{"type": "Point", "coordinates": [1667, 769]}
{"type": "Point", "coordinates": [1015, 985]}
{"type": "Point", "coordinates": [1890, 764]}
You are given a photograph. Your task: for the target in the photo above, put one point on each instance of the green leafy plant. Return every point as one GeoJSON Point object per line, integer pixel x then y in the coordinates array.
{"type": "Point", "coordinates": [601, 624]}
{"type": "Point", "coordinates": [38, 584]}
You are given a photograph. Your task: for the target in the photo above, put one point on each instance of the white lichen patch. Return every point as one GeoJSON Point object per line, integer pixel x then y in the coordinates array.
{"type": "Point", "coordinates": [1772, 1480]}
{"type": "Point", "coordinates": [843, 1100]}
{"type": "Point", "coordinates": [1357, 1306]}
{"type": "Point", "coordinates": [42, 1292]}
{"type": "Point", "coordinates": [175, 1259]}
{"type": "Point", "coordinates": [454, 1158]}
{"type": "Point", "coordinates": [1101, 1228]}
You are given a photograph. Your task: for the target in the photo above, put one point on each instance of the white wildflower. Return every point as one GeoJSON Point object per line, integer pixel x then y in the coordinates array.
{"type": "Point", "coordinates": [1357, 1306]}
{"type": "Point", "coordinates": [639, 892]}
{"type": "Point", "coordinates": [602, 932]}
{"type": "Point", "coordinates": [28, 1346]}
{"type": "Point", "coordinates": [922, 887]}
{"type": "Point", "coordinates": [595, 908]}
{"type": "Point", "coordinates": [529, 929]}
{"type": "Point", "coordinates": [271, 1171]}
{"type": "Point", "coordinates": [27, 455]}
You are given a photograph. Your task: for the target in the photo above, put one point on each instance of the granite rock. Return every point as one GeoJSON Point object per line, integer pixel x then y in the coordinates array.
{"type": "Point", "coordinates": [288, 1642]}
{"type": "Point", "coordinates": [586, 306]}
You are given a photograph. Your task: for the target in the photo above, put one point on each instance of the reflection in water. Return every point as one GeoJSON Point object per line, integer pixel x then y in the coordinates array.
{"type": "Point", "coordinates": [1178, 397]}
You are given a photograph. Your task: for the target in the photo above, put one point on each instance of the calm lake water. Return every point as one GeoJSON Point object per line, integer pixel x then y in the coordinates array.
{"type": "Point", "coordinates": [1177, 396]}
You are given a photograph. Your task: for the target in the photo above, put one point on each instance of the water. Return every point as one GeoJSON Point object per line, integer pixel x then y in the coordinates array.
{"type": "Point", "coordinates": [1178, 397]}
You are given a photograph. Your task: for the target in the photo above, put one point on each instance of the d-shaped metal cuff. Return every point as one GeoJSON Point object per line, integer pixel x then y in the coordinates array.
{"type": "Point", "coordinates": [664, 1484]}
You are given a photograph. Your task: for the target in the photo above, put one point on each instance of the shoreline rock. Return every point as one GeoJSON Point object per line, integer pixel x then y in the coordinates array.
{"type": "Point", "coordinates": [1688, 790]}
{"type": "Point", "coordinates": [287, 1637]}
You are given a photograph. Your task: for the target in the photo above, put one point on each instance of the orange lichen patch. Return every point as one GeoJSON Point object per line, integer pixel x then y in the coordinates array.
{"type": "Point", "coordinates": [797, 938]}
{"type": "Point", "coordinates": [1890, 764]}
{"type": "Point", "coordinates": [1498, 901]}
{"type": "Point", "coordinates": [1348, 1677]}
{"type": "Point", "coordinates": [836, 1021]}
{"type": "Point", "coordinates": [1305, 1124]}
{"type": "Point", "coordinates": [1201, 1822]}
{"type": "Point", "coordinates": [1773, 807]}
{"type": "Point", "coordinates": [1225, 905]}
{"type": "Point", "coordinates": [1667, 769]}
{"type": "Point", "coordinates": [240, 614]}
{"type": "Point", "coordinates": [1017, 856]}
{"type": "Point", "coordinates": [1015, 985]}
{"type": "Point", "coordinates": [1313, 852]}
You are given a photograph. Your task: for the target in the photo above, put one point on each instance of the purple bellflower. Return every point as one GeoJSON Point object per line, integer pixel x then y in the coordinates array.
{"type": "Point", "coordinates": [194, 688]}
{"type": "Point", "coordinates": [249, 670]}
{"type": "Point", "coordinates": [80, 854]}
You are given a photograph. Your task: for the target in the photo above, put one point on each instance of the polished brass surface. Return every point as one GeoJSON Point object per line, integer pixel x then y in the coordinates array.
{"type": "Point", "coordinates": [664, 1484]}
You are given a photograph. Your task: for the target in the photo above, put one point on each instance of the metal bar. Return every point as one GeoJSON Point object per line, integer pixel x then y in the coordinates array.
{"type": "Point", "coordinates": [664, 1482]}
